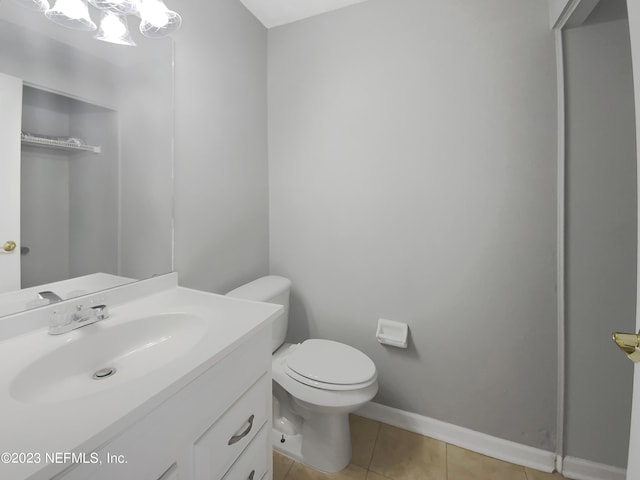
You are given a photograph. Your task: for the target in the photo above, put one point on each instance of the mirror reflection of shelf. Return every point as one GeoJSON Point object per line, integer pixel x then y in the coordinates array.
{"type": "Point", "coordinates": [60, 144]}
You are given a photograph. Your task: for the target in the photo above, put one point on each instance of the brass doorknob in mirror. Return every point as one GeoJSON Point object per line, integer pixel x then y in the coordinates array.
{"type": "Point", "coordinates": [9, 246]}
{"type": "Point", "coordinates": [628, 343]}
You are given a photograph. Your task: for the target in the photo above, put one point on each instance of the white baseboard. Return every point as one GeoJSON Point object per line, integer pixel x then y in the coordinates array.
{"type": "Point", "coordinates": [506, 450]}
{"type": "Point", "coordinates": [512, 452]}
{"type": "Point", "coordinates": [579, 469]}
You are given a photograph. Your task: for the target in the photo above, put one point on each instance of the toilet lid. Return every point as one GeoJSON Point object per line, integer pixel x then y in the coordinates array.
{"type": "Point", "coordinates": [331, 362]}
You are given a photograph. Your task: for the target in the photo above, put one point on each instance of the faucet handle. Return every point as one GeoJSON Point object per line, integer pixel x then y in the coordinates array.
{"type": "Point", "coordinates": [59, 320]}
{"type": "Point", "coordinates": [67, 317]}
{"type": "Point", "coordinates": [101, 311]}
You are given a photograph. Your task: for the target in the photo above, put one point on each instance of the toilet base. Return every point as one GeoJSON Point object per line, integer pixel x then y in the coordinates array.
{"type": "Point", "coordinates": [324, 443]}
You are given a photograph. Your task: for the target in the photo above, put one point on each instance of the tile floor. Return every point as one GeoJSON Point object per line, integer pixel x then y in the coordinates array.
{"type": "Point", "coordinates": [383, 452]}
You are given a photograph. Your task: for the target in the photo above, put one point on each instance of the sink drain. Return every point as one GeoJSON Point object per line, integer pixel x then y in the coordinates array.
{"type": "Point", "coordinates": [104, 373]}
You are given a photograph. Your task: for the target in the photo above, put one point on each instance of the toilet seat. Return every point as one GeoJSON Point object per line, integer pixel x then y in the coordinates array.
{"type": "Point", "coordinates": [330, 365]}
{"type": "Point", "coordinates": [325, 400]}
{"type": "Point", "coordinates": [327, 386]}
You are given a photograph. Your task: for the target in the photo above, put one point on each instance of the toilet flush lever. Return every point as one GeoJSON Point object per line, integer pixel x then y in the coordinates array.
{"type": "Point", "coordinates": [240, 436]}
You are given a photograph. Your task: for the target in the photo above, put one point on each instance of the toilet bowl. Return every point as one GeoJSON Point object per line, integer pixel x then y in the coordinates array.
{"type": "Point", "coordinates": [320, 436]}
{"type": "Point", "coordinates": [316, 384]}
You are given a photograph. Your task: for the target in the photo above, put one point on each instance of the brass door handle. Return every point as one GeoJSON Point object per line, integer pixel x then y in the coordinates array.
{"type": "Point", "coordinates": [628, 343]}
{"type": "Point", "coordinates": [9, 246]}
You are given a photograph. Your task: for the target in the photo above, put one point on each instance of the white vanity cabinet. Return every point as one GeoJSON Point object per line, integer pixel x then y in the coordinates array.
{"type": "Point", "coordinates": [217, 427]}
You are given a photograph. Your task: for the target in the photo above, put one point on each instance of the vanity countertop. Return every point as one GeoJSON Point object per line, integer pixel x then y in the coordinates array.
{"type": "Point", "coordinates": [42, 427]}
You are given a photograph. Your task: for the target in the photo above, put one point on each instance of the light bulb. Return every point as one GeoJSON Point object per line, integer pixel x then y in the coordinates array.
{"type": "Point", "coordinates": [71, 14]}
{"type": "Point", "coordinates": [157, 20]}
{"type": "Point", "coordinates": [114, 29]}
{"type": "Point", "coordinates": [125, 7]}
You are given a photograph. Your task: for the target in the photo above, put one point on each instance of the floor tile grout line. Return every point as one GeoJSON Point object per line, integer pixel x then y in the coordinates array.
{"type": "Point", "coordinates": [373, 450]}
{"type": "Point", "coordinates": [446, 461]}
{"type": "Point", "coordinates": [286, 474]}
{"type": "Point", "coordinates": [378, 474]}
{"type": "Point", "coordinates": [288, 470]}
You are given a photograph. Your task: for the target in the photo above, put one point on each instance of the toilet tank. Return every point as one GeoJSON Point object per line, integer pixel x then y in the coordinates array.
{"type": "Point", "coordinates": [270, 289]}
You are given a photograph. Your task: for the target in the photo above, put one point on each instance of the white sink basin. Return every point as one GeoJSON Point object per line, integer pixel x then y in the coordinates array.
{"type": "Point", "coordinates": [133, 348]}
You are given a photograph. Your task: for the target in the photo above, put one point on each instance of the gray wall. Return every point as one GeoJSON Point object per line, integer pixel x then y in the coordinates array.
{"type": "Point", "coordinates": [221, 199]}
{"type": "Point", "coordinates": [601, 239]}
{"type": "Point", "coordinates": [146, 111]}
{"type": "Point", "coordinates": [412, 177]}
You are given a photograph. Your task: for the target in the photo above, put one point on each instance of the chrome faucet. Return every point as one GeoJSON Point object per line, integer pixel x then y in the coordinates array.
{"type": "Point", "coordinates": [63, 322]}
{"type": "Point", "coordinates": [49, 295]}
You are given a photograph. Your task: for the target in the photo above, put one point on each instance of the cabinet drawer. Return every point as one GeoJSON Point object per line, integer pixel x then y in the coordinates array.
{"type": "Point", "coordinates": [254, 461]}
{"type": "Point", "coordinates": [221, 444]}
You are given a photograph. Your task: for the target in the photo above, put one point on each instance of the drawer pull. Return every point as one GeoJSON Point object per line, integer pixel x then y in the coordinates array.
{"type": "Point", "coordinates": [240, 436]}
{"type": "Point", "coordinates": [250, 477]}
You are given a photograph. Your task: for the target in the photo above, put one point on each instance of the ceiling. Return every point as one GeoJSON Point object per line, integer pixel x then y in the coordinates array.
{"type": "Point", "coordinates": [278, 12]}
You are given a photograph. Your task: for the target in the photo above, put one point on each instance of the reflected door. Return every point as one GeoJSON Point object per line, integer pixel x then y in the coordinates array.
{"type": "Point", "coordinates": [10, 128]}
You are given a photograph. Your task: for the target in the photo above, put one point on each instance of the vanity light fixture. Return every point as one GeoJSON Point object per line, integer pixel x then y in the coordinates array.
{"type": "Point", "coordinates": [156, 20]}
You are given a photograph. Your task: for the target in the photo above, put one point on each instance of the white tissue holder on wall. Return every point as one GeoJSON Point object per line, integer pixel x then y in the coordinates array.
{"type": "Point", "coordinates": [392, 333]}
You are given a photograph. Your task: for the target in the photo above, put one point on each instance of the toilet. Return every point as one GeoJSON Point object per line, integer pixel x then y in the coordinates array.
{"type": "Point", "coordinates": [316, 384]}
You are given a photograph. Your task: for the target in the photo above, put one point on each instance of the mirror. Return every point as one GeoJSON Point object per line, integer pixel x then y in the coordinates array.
{"type": "Point", "coordinates": [89, 218]}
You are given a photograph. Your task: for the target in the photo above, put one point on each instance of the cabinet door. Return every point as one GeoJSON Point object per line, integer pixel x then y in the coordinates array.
{"type": "Point", "coordinates": [10, 129]}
